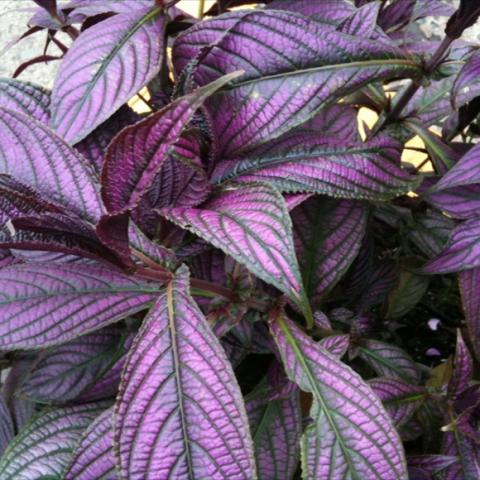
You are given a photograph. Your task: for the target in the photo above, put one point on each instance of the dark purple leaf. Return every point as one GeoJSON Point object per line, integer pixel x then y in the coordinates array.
{"type": "Point", "coordinates": [289, 79]}
{"type": "Point", "coordinates": [179, 395]}
{"type": "Point", "coordinates": [401, 400]}
{"type": "Point", "coordinates": [325, 11]}
{"type": "Point", "coordinates": [93, 456]}
{"type": "Point", "coordinates": [465, 172]}
{"type": "Point", "coordinates": [397, 14]}
{"type": "Point", "coordinates": [459, 202]}
{"type": "Point", "coordinates": [276, 427]}
{"type": "Point", "coordinates": [430, 232]}
{"type": "Point", "coordinates": [431, 463]}
{"type": "Point", "coordinates": [363, 23]}
{"type": "Point", "coordinates": [249, 222]}
{"type": "Point", "coordinates": [136, 155]}
{"type": "Point", "coordinates": [427, 8]}
{"type": "Point", "coordinates": [467, 80]}
{"type": "Point", "coordinates": [463, 370]}
{"type": "Point", "coordinates": [94, 146]}
{"type": "Point", "coordinates": [97, 7]}
{"type": "Point", "coordinates": [466, 16]}
{"type": "Point", "coordinates": [34, 155]}
{"type": "Point", "coordinates": [44, 446]}
{"type": "Point", "coordinates": [43, 304]}
{"type": "Point", "coordinates": [105, 67]}
{"type": "Point", "coordinates": [26, 98]}
{"type": "Point", "coordinates": [7, 428]}
{"type": "Point", "coordinates": [49, 5]}
{"type": "Point", "coordinates": [469, 281]}
{"type": "Point", "coordinates": [307, 162]}
{"type": "Point", "coordinates": [388, 360]}
{"type": "Point", "coordinates": [468, 464]}
{"type": "Point", "coordinates": [462, 251]}
{"type": "Point", "coordinates": [348, 420]}
{"type": "Point", "coordinates": [64, 372]}
{"type": "Point", "coordinates": [327, 235]}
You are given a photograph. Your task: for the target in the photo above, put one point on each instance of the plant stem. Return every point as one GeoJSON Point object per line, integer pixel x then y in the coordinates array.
{"type": "Point", "coordinates": [407, 95]}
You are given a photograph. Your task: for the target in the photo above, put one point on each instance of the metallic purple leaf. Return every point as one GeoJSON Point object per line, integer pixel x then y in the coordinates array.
{"type": "Point", "coordinates": [388, 360]}
{"type": "Point", "coordinates": [93, 457]}
{"type": "Point", "coordinates": [463, 369]}
{"type": "Point", "coordinates": [44, 446]}
{"type": "Point", "coordinates": [105, 67]}
{"type": "Point", "coordinates": [363, 23]}
{"type": "Point", "coordinates": [462, 251]}
{"type": "Point", "coordinates": [328, 235]}
{"type": "Point", "coordinates": [337, 345]}
{"type": "Point", "coordinates": [401, 400]}
{"type": "Point", "coordinates": [465, 172]}
{"type": "Point", "coordinates": [97, 7]}
{"type": "Point", "coordinates": [64, 372]}
{"type": "Point", "coordinates": [25, 97]}
{"type": "Point", "coordinates": [468, 465]}
{"type": "Point", "coordinates": [469, 281]}
{"type": "Point", "coordinates": [250, 223]}
{"type": "Point", "coordinates": [467, 80]}
{"type": "Point", "coordinates": [137, 154]}
{"type": "Point", "coordinates": [349, 422]}
{"type": "Point", "coordinates": [47, 304]}
{"type": "Point", "coordinates": [308, 162]}
{"type": "Point", "coordinates": [34, 155]}
{"type": "Point", "coordinates": [277, 93]}
{"type": "Point", "coordinates": [276, 427]}
{"type": "Point", "coordinates": [180, 396]}
{"type": "Point", "coordinates": [325, 11]}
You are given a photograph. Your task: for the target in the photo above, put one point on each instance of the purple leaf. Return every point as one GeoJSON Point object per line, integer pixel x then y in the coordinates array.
{"type": "Point", "coordinates": [430, 232]}
{"type": "Point", "coordinates": [25, 98]}
{"type": "Point", "coordinates": [180, 396]}
{"type": "Point", "coordinates": [469, 281]}
{"type": "Point", "coordinates": [44, 446]}
{"type": "Point", "coordinates": [94, 146]}
{"type": "Point", "coordinates": [463, 370]}
{"type": "Point", "coordinates": [396, 15]}
{"type": "Point", "coordinates": [43, 305]}
{"type": "Point", "coordinates": [34, 155]}
{"type": "Point", "coordinates": [465, 172]}
{"type": "Point", "coordinates": [328, 235]}
{"type": "Point", "coordinates": [288, 80]}
{"type": "Point", "coordinates": [462, 251]}
{"type": "Point", "coordinates": [276, 427]}
{"type": "Point", "coordinates": [138, 152]}
{"type": "Point", "coordinates": [295, 199]}
{"type": "Point", "coordinates": [348, 421]}
{"type": "Point", "coordinates": [467, 79]}
{"type": "Point", "coordinates": [93, 456]}
{"type": "Point", "coordinates": [49, 5]}
{"type": "Point", "coordinates": [388, 360]}
{"type": "Point", "coordinates": [363, 23]}
{"type": "Point", "coordinates": [7, 428]}
{"type": "Point", "coordinates": [97, 7]}
{"type": "Point", "coordinates": [460, 202]}
{"type": "Point", "coordinates": [401, 400]}
{"type": "Point", "coordinates": [105, 67]}
{"type": "Point", "coordinates": [249, 222]}
{"type": "Point", "coordinates": [431, 463]}
{"type": "Point", "coordinates": [337, 345]}
{"type": "Point", "coordinates": [468, 464]}
{"type": "Point", "coordinates": [63, 373]}
{"type": "Point", "coordinates": [307, 162]}
{"type": "Point", "coordinates": [325, 11]}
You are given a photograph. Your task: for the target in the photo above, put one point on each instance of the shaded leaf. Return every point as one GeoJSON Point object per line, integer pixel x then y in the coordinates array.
{"type": "Point", "coordinates": [463, 368]}
{"type": "Point", "coordinates": [328, 235]}
{"type": "Point", "coordinates": [462, 251]}
{"type": "Point", "coordinates": [469, 281]}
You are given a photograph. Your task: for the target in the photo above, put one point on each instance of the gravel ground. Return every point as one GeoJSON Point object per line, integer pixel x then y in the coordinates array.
{"type": "Point", "coordinates": [14, 18]}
